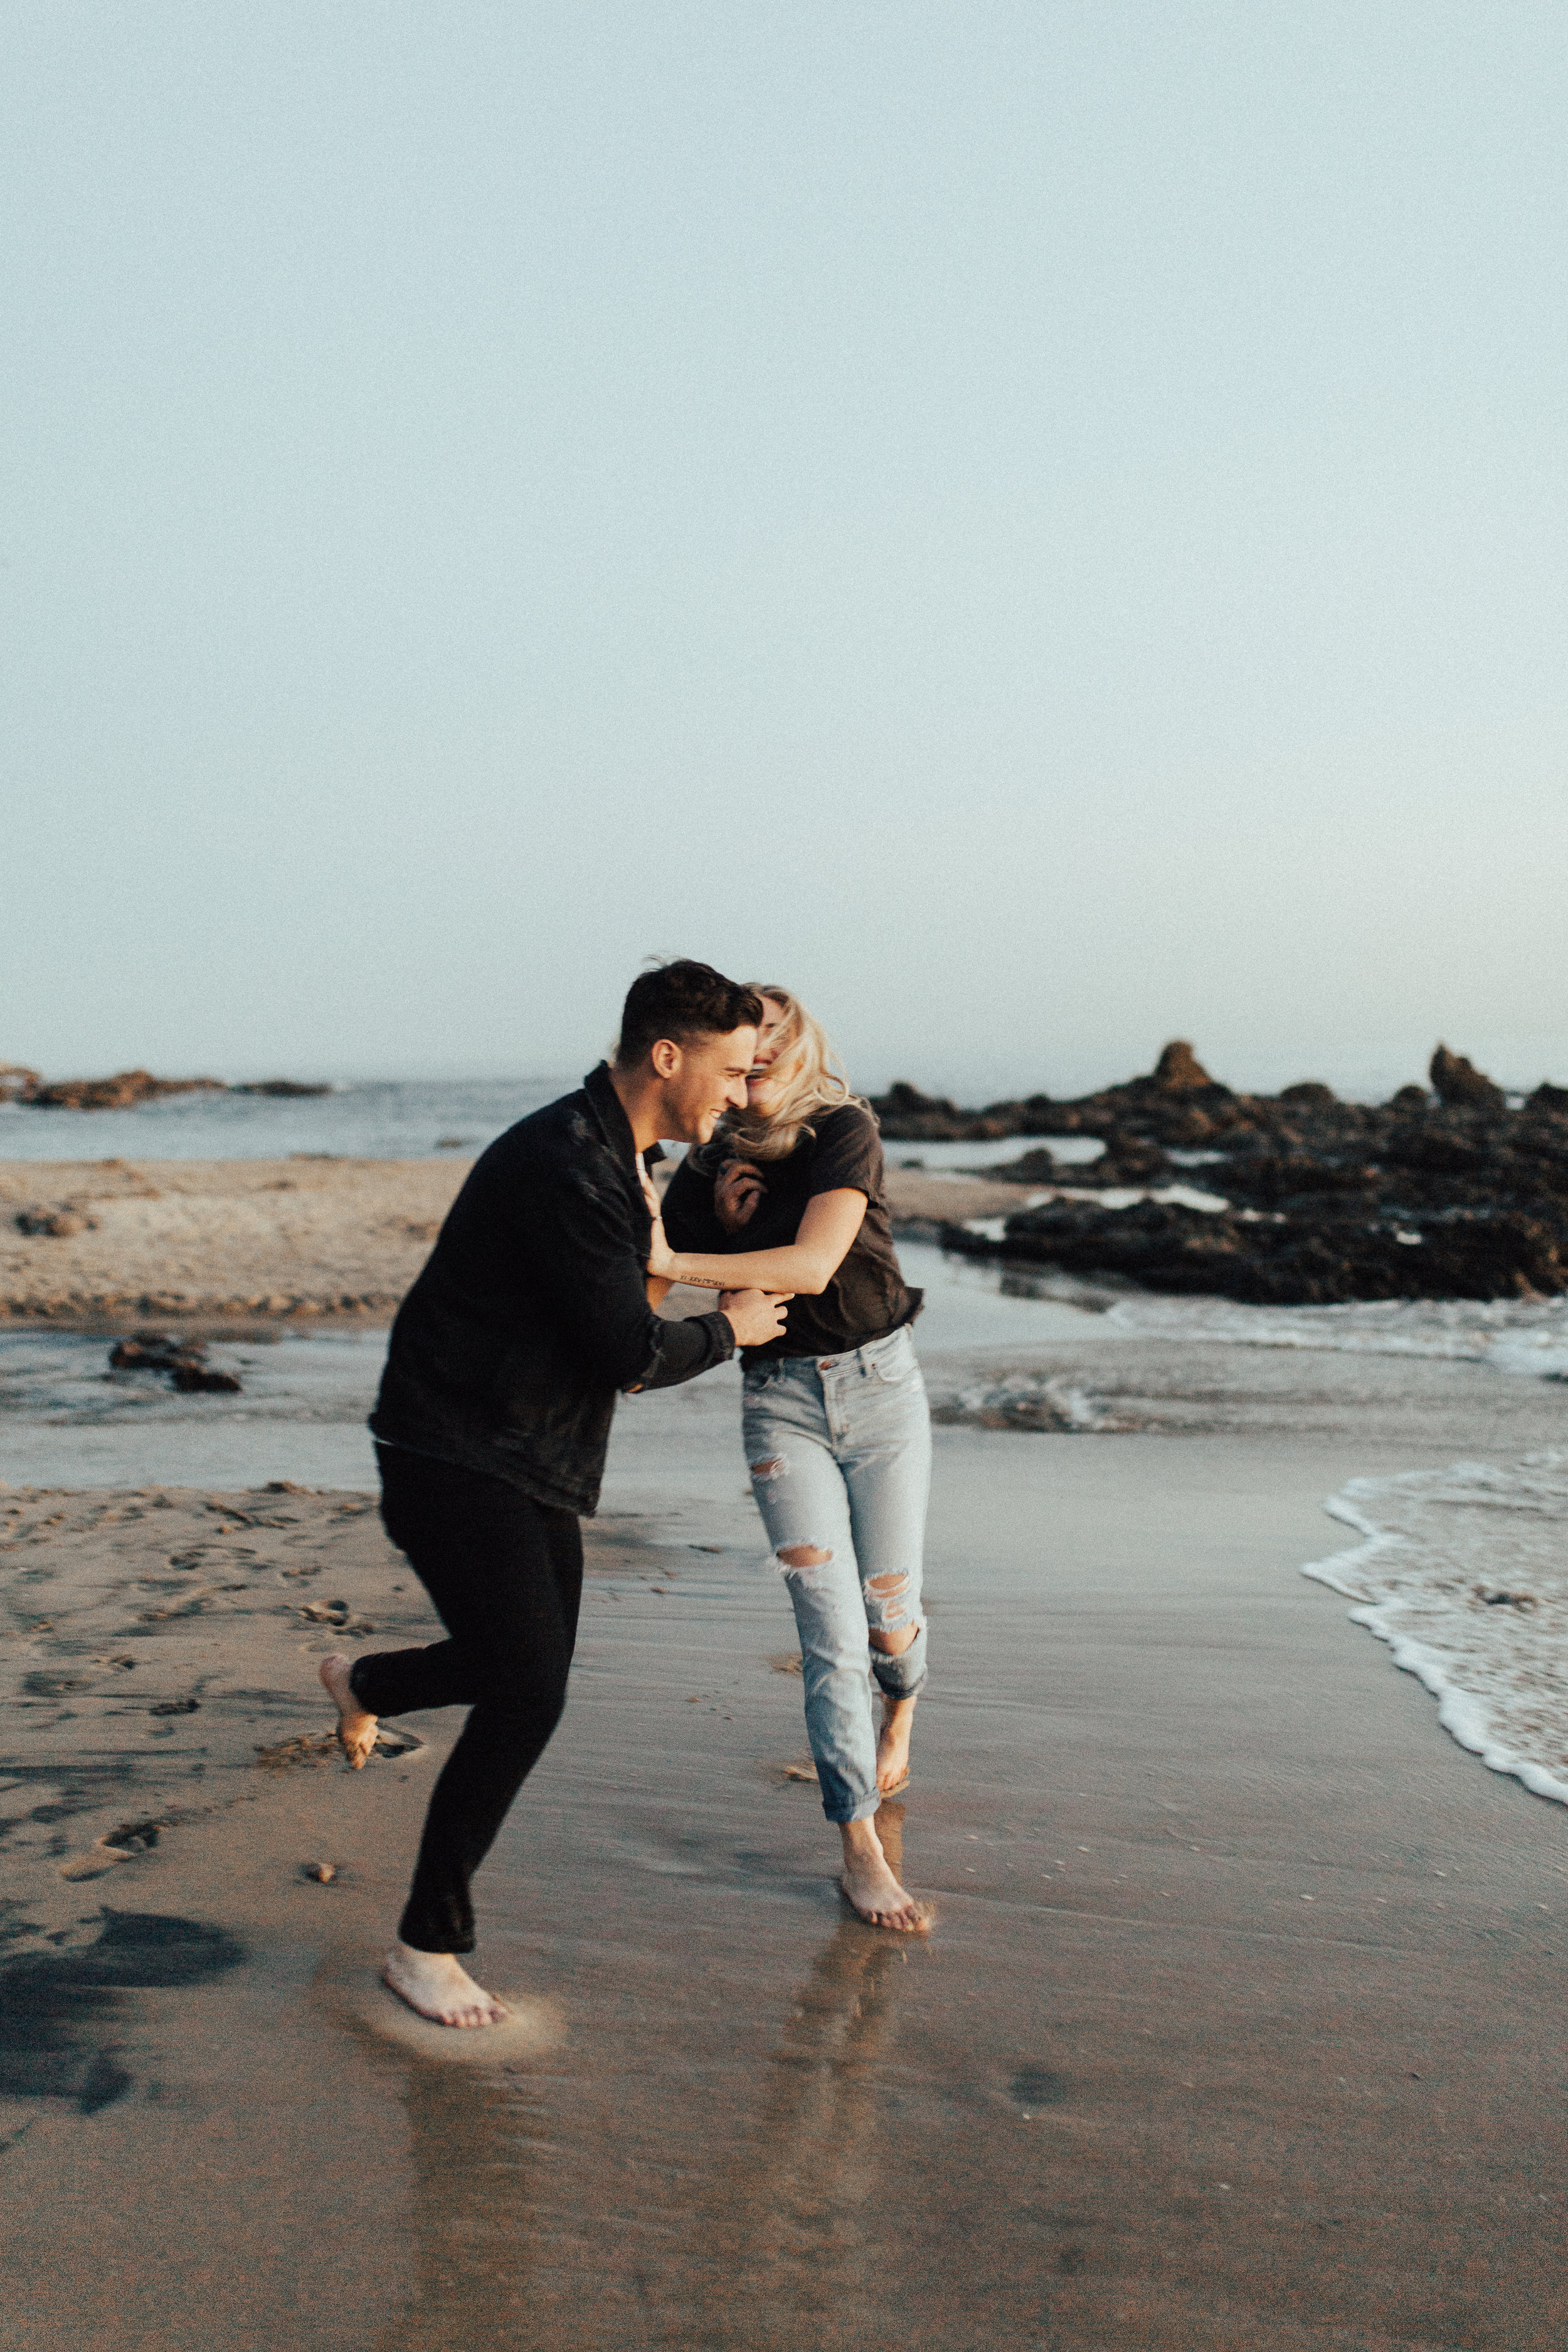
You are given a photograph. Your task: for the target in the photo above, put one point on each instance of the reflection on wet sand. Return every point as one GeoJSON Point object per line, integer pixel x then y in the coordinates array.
{"type": "Point", "coordinates": [811, 2259]}
{"type": "Point", "coordinates": [758, 2229]}
{"type": "Point", "coordinates": [471, 2223]}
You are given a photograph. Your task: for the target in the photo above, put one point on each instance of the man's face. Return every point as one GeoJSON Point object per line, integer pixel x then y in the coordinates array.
{"type": "Point", "coordinates": [707, 1078]}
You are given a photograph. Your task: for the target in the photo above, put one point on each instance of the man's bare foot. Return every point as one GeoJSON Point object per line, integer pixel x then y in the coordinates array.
{"type": "Point", "coordinates": [437, 1986]}
{"type": "Point", "coordinates": [356, 1730]}
{"type": "Point", "coordinates": [893, 1743]}
{"type": "Point", "coordinates": [871, 1886]}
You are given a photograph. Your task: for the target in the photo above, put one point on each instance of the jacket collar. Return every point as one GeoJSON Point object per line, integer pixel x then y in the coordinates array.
{"type": "Point", "coordinates": [615, 1127]}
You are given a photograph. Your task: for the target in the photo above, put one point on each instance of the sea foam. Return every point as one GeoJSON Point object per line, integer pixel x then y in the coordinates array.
{"type": "Point", "coordinates": [1464, 1573]}
{"type": "Point", "coordinates": [1520, 1336]}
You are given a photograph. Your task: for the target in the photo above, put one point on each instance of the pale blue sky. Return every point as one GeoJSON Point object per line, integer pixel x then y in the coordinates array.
{"type": "Point", "coordinates": [1042, 526]}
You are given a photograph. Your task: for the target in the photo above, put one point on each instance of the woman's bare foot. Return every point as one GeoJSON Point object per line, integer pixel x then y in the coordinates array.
{"type": "Point", "coordinates": [356, 1730]}
{"type": "Point", "coordinates": [893, 1743]}
{"type": "Point", "coordinates": [871, 1886]}
{"type": "Point", "coordinates": [437, 1985]}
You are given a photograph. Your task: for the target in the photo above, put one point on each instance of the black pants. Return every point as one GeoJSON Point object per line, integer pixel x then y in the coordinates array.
{"type": "Point", "coordinates": [506, 1576]}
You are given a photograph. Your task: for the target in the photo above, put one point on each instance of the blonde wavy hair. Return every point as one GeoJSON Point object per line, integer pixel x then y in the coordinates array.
{"type": "Point", "coordinates": [818, 1081]}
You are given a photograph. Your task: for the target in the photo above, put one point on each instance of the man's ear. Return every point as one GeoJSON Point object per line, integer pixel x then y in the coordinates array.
{"type": "Point", "coordinates": [665, 1055]}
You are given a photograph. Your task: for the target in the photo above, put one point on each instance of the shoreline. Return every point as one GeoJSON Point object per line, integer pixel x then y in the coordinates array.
{"type": "Point", "coordinates": [253, 1242]}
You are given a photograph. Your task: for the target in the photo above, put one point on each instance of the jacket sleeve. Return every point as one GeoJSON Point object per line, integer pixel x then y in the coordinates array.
{"type": "Point", "coordinates": [592, 1267]}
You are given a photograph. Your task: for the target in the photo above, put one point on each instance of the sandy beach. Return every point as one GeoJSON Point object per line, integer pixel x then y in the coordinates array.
{"type": "Point", "coordinates": [1238, 2026]}
{"type": "Point", "coordinates": [224, 1239]}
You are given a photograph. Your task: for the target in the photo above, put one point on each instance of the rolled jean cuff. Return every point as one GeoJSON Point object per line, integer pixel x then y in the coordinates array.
{"type": "Point", "coordinates": [902, 1676]}
{"type": "Point", "coordinates": [863, 1811]}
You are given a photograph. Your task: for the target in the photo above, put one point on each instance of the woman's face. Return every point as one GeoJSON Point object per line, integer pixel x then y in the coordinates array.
{"type": "Point", "coordinates": [769, 1074]}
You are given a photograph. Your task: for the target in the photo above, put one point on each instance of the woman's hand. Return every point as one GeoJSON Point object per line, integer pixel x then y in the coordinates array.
{"type": "Point", "coordinates": [737, 1191]}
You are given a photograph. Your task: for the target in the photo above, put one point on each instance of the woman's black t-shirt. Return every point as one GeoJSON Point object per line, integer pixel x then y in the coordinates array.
{"type": "Point", "coordinates": [867, 1298]}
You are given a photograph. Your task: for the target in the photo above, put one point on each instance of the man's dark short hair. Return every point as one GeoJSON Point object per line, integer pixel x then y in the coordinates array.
{"type": "Point", "coordinates": [681, 1001]}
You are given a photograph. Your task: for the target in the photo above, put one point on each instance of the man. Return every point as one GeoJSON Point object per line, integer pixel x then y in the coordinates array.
{"type": "Point", "coordinates": [494, 1414]}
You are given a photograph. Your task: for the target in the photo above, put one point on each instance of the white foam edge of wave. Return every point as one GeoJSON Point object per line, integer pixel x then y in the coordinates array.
{"type": "Point", "coordinates": [1529, 1339]}
{"type": "Point", "coordinates": [1463, 1716]}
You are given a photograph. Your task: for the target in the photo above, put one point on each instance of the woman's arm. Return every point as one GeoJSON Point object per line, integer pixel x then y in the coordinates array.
{"type": "Point", "coordinates": [806, 1265]}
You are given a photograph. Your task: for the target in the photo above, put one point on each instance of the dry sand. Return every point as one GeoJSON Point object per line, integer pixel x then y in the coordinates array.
{"type": "Point", "coordinates": [215, 1239]}
{"type": "Point", "coordinates": [1241, 2025]}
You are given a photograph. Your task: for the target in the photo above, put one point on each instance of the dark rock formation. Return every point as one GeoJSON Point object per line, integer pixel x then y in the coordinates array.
{"type": "Point", "coordinates": [1128, 1159]}
{"type": "Point", "coordinates": [1035, 1166]}
{"type": "Point", "coordinates": [1446, 1195]}
{"type": "Point", "coordinates": [188, 1377]}
{"type": "Point", "coordinates": [59, 1223]}
{"type": "Point", "coordinates": [1302, 1260]}
{"type": "Point", "coordinates": [910, 1117]}
{"type": "Point", "coordinates": [184, 1361]}
{"type": "Point", "coordinates": [1178, 1103]}
{"type": "Point", "coordinates": [154, 1351]}
{"type": "Point", "coordinates": [1457, 1080]}
{"type": "Point", "coordinates": [122, 1092]}
{"type": "Point", "coordinates": [126, 1089]}
{"type": "Point", "coordinates": [1179, 1070]}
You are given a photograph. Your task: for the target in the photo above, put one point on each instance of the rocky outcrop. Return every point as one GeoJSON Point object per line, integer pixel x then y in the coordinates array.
{"type": "Point", "coordinates": [1443, 1195]}
{"type": "Point", "coordinates": [1179, 1070]}
{"type": "Point", "coordinates": [910, 1117]}
{"type": "Point", "coordinates": [1457, 1080]}
{"type": "Point", "coordinates": [1315, 1256]}
{"type": "Point", "coordinates": [58, 1224]}
{"type": "Point", "coordinates": [126, 1089]}
{"type": "Point", "coordinates": [122, 1092]}
{"type": "Point", "coordinates": [184, 1362]}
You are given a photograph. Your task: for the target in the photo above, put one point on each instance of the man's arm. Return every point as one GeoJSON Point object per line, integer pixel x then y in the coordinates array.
{"type": "Point", "coordinates": [587, 1255]}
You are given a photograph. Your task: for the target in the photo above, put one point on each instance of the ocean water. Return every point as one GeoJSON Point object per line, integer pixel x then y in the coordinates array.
{"type": "Point", "coordinates": [387, 1118]}
{"type": "Point", "coordinates": [67, 1420]}
{"type": "Point", "coordinates": [403, 1119]}
{"type": "Point", "coordinates": [1463, 1572]}
{"type": "Point", "coordinates": [1522, 1337]}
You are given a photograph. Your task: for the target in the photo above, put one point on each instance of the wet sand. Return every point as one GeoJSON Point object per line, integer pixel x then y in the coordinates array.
{"type": "Point", "coordinates": [1241, 2025]}
{"type": "Point", "coordinates": [252, 1240]}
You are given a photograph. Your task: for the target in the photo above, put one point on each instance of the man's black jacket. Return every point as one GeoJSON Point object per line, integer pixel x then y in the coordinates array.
{"type": "Point", "coordinates": [532, 1311]}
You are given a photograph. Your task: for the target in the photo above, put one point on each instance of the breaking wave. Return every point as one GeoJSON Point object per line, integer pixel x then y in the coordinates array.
{"type": "Point", "coordinates": [1529, 1336]}
{"type": "Point", "coordinates": [1464, 1573]}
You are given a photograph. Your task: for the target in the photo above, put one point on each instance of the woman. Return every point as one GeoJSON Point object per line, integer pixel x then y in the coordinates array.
{"type": "Point", "coordinates": [789, 1197]}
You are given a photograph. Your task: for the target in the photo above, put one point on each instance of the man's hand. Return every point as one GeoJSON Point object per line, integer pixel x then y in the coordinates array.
{"type": "Point", "coordinates": [736, 1192]}
{"type": "Point", "coordinates": [755, 1316]}
{"type": "Point", "coordinates": [660, 1256]}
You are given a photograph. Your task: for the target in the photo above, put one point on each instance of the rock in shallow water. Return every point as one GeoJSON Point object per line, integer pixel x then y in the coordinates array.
{"type": "Point", "coordinates": [1314, 1256]}
{"type": "Point", "coordinates": [1452, 1197]}
{"type": "Point", "coordinates": [1457, 1080]}
{"type": "Point", "coordinates": [58, 1224]}
{"type": "Point", "coordinates": [184, 1361]}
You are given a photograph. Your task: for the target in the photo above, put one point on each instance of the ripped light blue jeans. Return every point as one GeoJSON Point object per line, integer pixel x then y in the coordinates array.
{"type": "Point", "coordinates": [840, 1452]}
